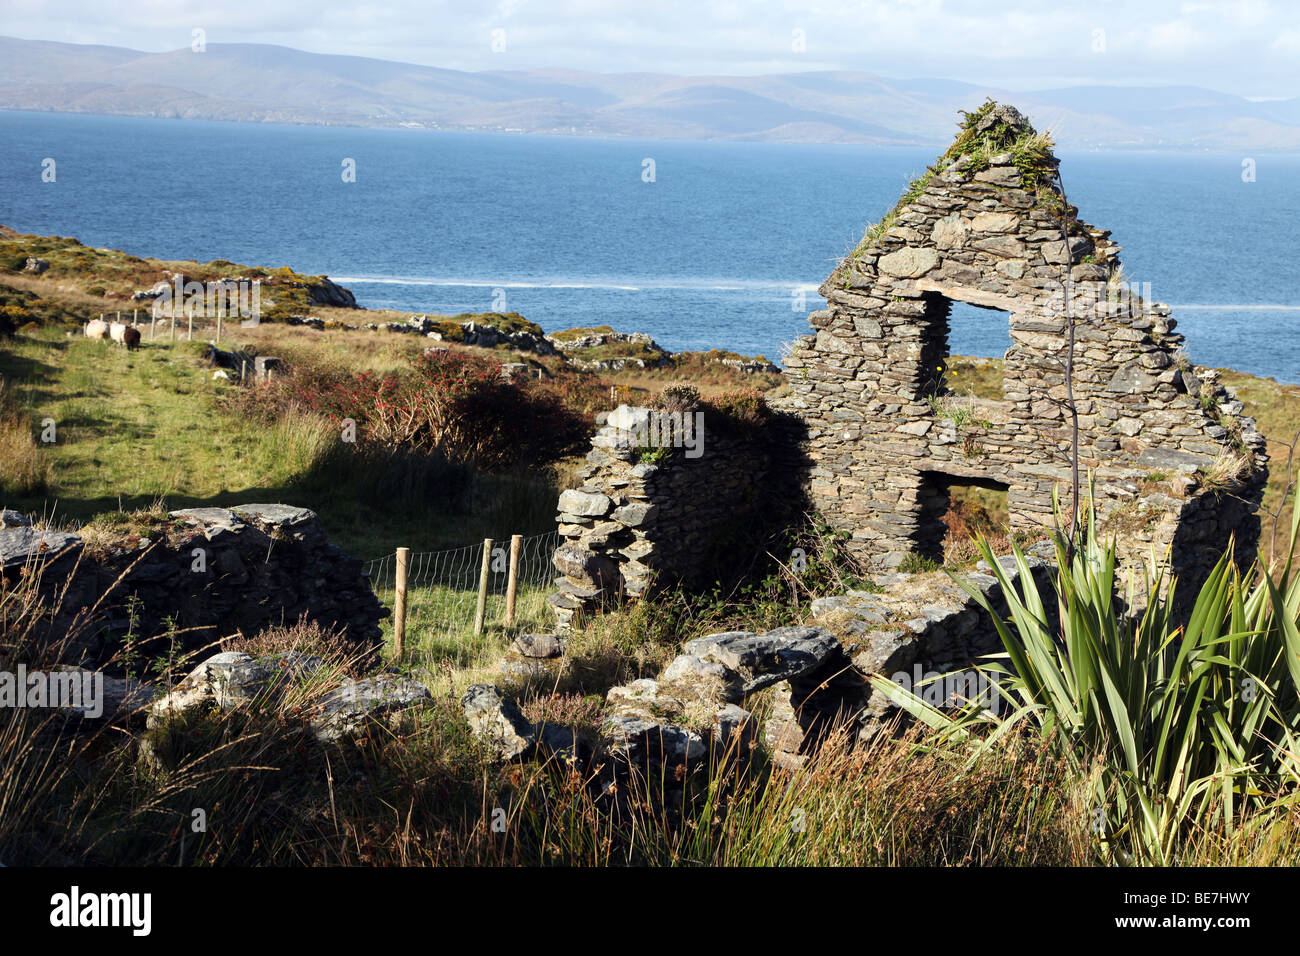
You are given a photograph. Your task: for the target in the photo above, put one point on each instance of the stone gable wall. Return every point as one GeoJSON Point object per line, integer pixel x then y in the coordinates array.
{"type": "Point", "coordinates": [884, 437]}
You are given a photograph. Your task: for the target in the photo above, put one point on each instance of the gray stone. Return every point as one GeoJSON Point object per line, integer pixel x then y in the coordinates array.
{"type": "Point", "coordinates": [995, 222]}
{"type": "Point", "coordinates": [349, 709]}
{"type": "Point", "coordinates": [585, 567]}
{"type": "Point", "coordinates": [884, 652]}
{"type": "Point", "coordinates": [539, 645]}
{"type": "Point", "coordinates": [909, 263]}
{"type": "Point", "coordinates": [1131, 380]}
{"type": "Point", "coordinates": [638, 740]}
{"type": "Point", "coordinates": [284, 516]}
{"type": "Point", "coordinates": [21, 544]}
{"type": "Point", "coordinates": [1173, 459]}
{"type": "Point", "coordinates": [950, 232]}
{"type": "Point", "coordinates": [999, 176]}
{"type": "Point", "coordinates": [706, 679]}
{"type": "Point", "coordinates": [231, 679]}
{"type": "Point", "coordinates": [585, 504]}
{"type": "Point", "coordinates": [765, 659]}
{"type": "Point", "coordinates": [634, 513]}
{"type": "Point", "coordinates": [497, 722]}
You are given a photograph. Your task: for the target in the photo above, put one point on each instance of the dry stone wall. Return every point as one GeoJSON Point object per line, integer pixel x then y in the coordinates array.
{"type": "Point", "coordinates": [1175, 463]}
{"type": "Point", "coordinates": [206, 573]}
{"type": "Point", "coordinates": [649, 511]}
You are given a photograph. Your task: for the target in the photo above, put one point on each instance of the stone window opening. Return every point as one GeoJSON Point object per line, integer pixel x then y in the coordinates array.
{"type": "Point", "coordinates": [946, 378]}
{"type": "Point", "coordinates": [953, 509]}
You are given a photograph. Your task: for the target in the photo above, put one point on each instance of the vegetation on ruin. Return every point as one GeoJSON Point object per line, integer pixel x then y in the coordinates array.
{"type": "Point", "coordinates": [1030, 152]}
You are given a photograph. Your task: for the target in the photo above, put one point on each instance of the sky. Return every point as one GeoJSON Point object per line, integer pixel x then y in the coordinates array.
{"type": "Point", "coordinates": [1248, 47]}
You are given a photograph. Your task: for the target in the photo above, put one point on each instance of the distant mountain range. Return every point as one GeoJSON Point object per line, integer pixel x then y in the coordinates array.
{"type": "Point", "coordinates": [260, 83]}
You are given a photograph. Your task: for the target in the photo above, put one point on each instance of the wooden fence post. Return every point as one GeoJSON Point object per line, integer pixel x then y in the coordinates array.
{"type": "Point", "coordinates": [218, 326]}
{"type": "Point", "coordinates": [512, 581]}
{"type": "Point", "coordinates": [399, 605]}
{"type": "Point", "coordinates": [481, 612]}
{"type": "Point", "coordinates": [153, 325]}
{"type": "Point", "coordinates": [190, 336]}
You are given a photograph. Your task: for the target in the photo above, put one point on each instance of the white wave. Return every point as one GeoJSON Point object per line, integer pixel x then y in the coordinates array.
{"type": "Point", "coordinates": [698, 285]}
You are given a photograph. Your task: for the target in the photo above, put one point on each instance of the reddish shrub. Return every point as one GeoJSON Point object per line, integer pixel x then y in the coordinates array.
{"type": "Point", "coordinates": [458, 404]}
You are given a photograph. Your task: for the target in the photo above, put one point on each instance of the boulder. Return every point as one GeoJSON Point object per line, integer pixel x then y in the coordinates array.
{"type": "Point", "coordinates": [761, 660]}
{"type": "Point", "coordinates": [346, 710]}
{"type": "Point", "coordinates": [497, 722]}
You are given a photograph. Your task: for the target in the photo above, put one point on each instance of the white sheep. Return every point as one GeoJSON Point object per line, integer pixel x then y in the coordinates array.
{"type": "Point", "coordinates": [116, 331]}
{"type": "Point", "coordinates": [96, 329]}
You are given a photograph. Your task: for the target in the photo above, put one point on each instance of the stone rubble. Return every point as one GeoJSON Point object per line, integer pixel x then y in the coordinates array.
{"type": "Point", "coordinates": [212, 572]}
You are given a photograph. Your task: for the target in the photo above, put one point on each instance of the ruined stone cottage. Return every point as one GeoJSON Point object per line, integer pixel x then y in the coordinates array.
{"type": "Point", "coordinates": [1175, 465]}
{"type": "Point", "coordinates": [883, 433]}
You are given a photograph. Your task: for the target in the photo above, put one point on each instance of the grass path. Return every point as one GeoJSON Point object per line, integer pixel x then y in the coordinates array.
{"type": "Point", "coordinates": [135, 430]}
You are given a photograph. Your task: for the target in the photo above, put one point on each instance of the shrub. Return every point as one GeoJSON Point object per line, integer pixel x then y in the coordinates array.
{"type": "Point", "coordinates": [457, 404]}
{"type": "Point", "coordinates": [743, 411]}
{"type": "Point", "coordinates": [678, 397]}
{"type": "Point", "coordinates": [1179, 727]}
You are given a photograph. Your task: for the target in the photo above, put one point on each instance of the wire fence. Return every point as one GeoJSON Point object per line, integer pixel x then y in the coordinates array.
{"type": "Point", "coordinates": [442, 590]}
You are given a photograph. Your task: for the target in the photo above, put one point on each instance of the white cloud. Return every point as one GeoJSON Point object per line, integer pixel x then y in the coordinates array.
{"type": "Point", "coordinates": [1246, 46]}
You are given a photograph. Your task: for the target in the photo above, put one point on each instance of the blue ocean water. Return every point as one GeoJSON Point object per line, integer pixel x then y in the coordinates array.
{"type": "Point", "coordinates": [724, 248]}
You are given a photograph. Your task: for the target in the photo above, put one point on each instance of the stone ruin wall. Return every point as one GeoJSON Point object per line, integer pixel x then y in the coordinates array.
{"type": "Point", "coordinates": [632, 522]}
{"type": "Point", "coordinates": [884, 450]}
{"type": "Point", "coordinates": [262, 565]}
{"type": "Point", "coordinates": [879, 439]}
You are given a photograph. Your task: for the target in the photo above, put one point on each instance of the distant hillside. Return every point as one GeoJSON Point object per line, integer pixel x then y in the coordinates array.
{"type": "Point", "coordinates": [260, 83]}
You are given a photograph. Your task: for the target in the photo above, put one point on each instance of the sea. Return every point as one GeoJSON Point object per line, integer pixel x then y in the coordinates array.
{"type": "Point", "coordinates": [700, 244]}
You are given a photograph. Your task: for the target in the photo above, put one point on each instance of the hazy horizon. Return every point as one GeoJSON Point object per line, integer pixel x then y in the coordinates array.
{"type": "Point", "coordinates": [1247, 48]}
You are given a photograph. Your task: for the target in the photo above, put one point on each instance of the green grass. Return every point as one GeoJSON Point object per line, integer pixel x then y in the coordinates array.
{"type": "Point", "coordinates": [144, 430]}
{"type": "Point", "coordinates": [570, 335]}
{"type": "Point", "coordinates": [117, 274]}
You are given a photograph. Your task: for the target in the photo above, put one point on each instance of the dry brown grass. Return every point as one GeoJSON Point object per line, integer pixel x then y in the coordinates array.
{"type": "Point", "coordinates": [24, 470]}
